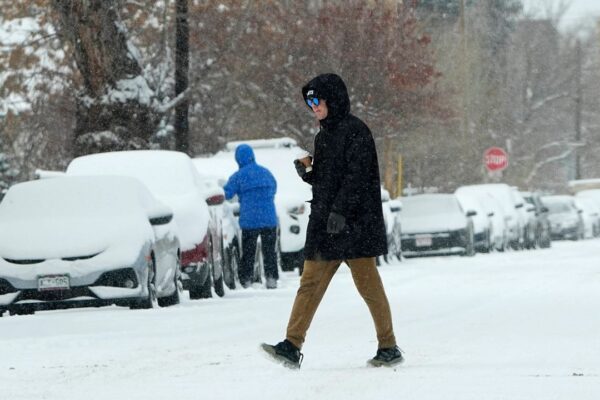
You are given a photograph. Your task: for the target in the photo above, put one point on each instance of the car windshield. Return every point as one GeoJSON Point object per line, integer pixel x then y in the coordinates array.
{"type": "Point", "coordinates": [557, 207]}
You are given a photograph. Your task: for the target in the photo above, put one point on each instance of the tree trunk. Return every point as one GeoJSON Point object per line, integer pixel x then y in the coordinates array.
{"type": "Point", "coordinates": [114, 110]}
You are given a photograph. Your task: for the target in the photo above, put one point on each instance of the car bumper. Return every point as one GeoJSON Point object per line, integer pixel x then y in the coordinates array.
{"type": "Point", "coordinates": [564, 232]}
{"type": "Point", "coordinates": [441, 243]}
{"type": "Point", "coordinates": [111, 287]}
{"type": "Point", "coordinates": [88, 281]}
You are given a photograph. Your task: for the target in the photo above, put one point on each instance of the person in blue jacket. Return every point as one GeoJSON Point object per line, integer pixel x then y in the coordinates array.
{"type": "Point", "coordinates": [255, 187]}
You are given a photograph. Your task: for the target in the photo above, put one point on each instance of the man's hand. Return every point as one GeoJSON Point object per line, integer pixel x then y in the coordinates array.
{"type": "Point", "coordinates": [300, 168]}
{"type": "Point", "coordinates": [335, 223]}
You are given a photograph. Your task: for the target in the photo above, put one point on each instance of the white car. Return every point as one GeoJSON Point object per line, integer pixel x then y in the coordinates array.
{"type": "Point", "coordinates": [291, 199]}
{"type": "Point", "coordinates": [513, 219]}
{"type": "Point", "coordinates": [224, 212]}
{"type": "Point", "coordinates": [172, 178]}
{"type": "Point", "coordinates": [436, 224]}
{"type": "Point", "coordinates": [483, 228]}
{"type": "Point", "coordinates": [491, 207]}
{"type": "Point", "coordinates": [526, 213]}
{"type": "Point", "coordinates": [391, 217]}
{"type": "Point", "coordinates": [590, 214]}
{"type": "Point", "coordinates": [86, 241]}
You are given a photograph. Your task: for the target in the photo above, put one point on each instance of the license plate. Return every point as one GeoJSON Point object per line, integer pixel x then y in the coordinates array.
{"type": "Point", "coordinates": [53, 282]}
{"type": "Point", "coordinates": [422, 241]}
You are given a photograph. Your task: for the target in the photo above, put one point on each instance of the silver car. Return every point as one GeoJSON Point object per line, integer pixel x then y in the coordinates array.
{"type": "Point", "coordinates": [86, 241]}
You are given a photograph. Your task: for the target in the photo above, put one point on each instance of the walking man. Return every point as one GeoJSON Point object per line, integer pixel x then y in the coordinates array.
{"type": "Point", "coordinates": [255, 187]}
{"type": "Point", "coordinates": [346, 221]}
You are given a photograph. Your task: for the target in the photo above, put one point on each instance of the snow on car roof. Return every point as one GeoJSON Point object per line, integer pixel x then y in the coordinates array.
{"type": "Point", "coordinates": [439, 203]}
{"type": "Point", "coordinates": [162, 171]}
{"type": "Point", "coordinates": [263, 143]}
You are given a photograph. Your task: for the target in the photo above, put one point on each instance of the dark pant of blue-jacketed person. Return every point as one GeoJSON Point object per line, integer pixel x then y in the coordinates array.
{"type": "Point", "coordinates": [268, 239]}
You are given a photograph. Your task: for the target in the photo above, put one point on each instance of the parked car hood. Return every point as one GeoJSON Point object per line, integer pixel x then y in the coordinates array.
{"type": "Point", "coordinates": [52, 238]}
{"type": "Point", "coordinates": [433, 223]}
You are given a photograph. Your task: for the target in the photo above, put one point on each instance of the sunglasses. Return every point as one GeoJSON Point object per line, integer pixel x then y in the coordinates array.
{"type": "Point", "coordinates": [312, 100]}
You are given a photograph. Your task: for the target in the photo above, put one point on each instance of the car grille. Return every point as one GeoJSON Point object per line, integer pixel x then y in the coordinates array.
{"type": "Point", "coordinates": [54, 295]}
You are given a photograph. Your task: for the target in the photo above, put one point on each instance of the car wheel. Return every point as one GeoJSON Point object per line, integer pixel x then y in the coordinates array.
{"type": "Point", "coordinates": [470, 245]}
{"type": "Point", "coordinates": [291, 261]}
{"type": "Point", "coordinates": [23, 310]}
{"type": "Point", "coordinates": [150, 301]}
{"type": "Point", "coordinates": [174, 298]}
{"type": "Point", "coordinates": [230, 270]}
{"type": "Point", "coordinates": [219, 286]}
{"type": "Point", "coordinates": [203, 290]}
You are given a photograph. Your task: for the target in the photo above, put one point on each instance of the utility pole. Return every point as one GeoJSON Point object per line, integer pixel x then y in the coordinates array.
{"type": "Point", "coordinates": [465, 71]}
{"type": "Point", "coordinates": [182, 65]}
{"type": "Point", "coordinates": [578, 107]}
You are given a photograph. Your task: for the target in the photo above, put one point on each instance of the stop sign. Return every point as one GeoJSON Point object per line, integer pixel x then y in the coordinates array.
{"type": "Point", "coordinates": [495, 159]}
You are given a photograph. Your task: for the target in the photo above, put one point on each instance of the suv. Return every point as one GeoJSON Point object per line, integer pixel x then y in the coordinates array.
{"type": "Point", "coordinates": [171, 177]}
{"type": "Point", "coordinates": [291, 199]}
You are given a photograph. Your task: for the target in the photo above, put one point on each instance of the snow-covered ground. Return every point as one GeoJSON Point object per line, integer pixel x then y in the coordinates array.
{"type": "Point", "coordinates": [519, 325]}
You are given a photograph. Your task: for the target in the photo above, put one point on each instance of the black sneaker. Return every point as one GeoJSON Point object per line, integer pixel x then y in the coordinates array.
{"type": "Point", "coordinates": [285, 353]}
{"type": "Point", "coordinates": [387, 357]}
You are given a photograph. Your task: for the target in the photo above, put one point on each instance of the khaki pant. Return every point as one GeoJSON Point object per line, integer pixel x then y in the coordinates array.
{"type": "Point", "coordinates": [313, 284]}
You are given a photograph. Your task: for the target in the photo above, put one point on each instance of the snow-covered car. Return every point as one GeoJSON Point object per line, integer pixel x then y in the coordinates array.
{"type": "Point", "coordinates": [492, 207]}
{"type": "Point", "coordinates": [391, 217]}
{"type": "Point", "coordinates": [593, 194]}
{"type": "Point", "coordinates": [526, 213]}
{"type": "Point", "coordinates": [565, 219]}
{"type": "Point", "coordinates": [223, 212]}
{"type": "Point", "coordinates": [542, 223]}
{"type": "Point", "coordinates": [86, 241]}
{"type": "Point", "coordinates": [172, 178]}
{"type": "Point", "coordinates": [514, 221]}
{"type": "Point", "coordinates": [291, 199]}
{"type": "Point", "coordinates": [590, 214]}
{"type": "Point", "coordinates": [436, 224]}
{"type": "Point", "coordinates": [482, 220]}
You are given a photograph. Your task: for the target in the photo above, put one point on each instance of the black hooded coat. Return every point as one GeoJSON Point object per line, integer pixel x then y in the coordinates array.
{"type": "Point", "coordinates": [344, 179]}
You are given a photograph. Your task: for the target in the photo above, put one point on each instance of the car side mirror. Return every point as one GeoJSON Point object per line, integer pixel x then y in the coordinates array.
{"type": "Point", "coordinates": [471, 213]}
{"type": "Point", "coordinates": [215, 200]}
{"type": "Point", "coordinates": [161, 220]}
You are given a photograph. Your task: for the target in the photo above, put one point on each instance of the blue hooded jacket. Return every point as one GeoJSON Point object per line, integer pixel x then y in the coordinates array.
{"type": "Point", "coordinates": [255, 186]}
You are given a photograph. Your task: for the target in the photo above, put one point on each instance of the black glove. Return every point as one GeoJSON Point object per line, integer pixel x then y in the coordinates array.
{"type": "Point", "coordinates": [335, 223]}
{"type": "Point", "coordinates": [300, 168]}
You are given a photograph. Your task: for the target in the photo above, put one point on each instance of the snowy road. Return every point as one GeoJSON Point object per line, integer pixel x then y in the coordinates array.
{"type": "Point", "coordinates": [520, 325]}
